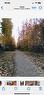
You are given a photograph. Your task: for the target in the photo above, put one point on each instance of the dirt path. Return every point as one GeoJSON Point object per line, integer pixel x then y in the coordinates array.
{"type": "Point", "coordinates": [17, 63]}
{"type": "Point", "coordinates": [25, 67]}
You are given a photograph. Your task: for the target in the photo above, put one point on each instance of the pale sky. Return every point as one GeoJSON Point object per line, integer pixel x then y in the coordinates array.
{"type": "Point", "coordinates": [19, 18]}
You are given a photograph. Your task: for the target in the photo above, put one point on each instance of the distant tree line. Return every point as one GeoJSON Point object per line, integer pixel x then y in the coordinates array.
{"type": "Point", "coordinates": [31, 37]}
{"type": "Point", "coordinates": [6, 39]}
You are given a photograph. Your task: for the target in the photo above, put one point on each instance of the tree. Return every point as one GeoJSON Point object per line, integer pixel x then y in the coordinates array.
{"type": "Point", "coordinates": [6, 26]}
{"type": "Point", "coordinates": [32, 35]}
{"type": "Point", "coordinates": [7, 33]}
